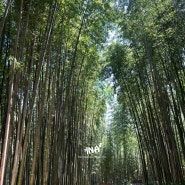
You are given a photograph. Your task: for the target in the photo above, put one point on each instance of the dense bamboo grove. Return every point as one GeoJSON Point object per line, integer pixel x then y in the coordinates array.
{"type": "Point", "coordinates": [53, 96]}
{"type": "Point", "coordinates": [148, 66]}
{"type": "Point", "coordinates": [49, 109]}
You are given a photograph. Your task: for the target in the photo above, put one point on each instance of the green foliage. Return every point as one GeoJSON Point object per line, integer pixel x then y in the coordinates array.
{"type": "Point", "coordinates": [56, 101]}
{"type": "Point", "coordinates": [61, 92]}
{"type": "Point", "coordinates": [2, 9]}
{"type": "Point", "coordinates": [147, 63]}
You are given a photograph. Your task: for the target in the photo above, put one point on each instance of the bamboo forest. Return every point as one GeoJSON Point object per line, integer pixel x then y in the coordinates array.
{"type": "Point", "coordinates": [92, 92]}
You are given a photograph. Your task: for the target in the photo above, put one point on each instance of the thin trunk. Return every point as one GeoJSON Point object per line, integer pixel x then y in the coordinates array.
{"type": "Point", "coordinates": [5, 144]}
{"type": "Point", "coordinates": [4, 16]}
{"type": "Point", "coordinates": [20, 136]}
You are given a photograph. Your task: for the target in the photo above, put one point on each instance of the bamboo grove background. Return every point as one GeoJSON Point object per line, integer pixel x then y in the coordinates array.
{"type": "Point", "coordinates": [54, 59]}
{"type": "Point", "coordinates": [48, 108]}
{"type": "Point", "coordinates": [149, 67]}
